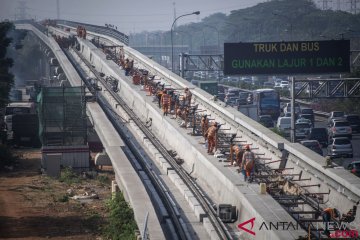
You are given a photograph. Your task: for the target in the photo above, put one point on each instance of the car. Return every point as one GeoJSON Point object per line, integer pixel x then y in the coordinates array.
{"type": "Point", "coordinates": [313, 145]}
{"type": "Point", "coordinates": [340, 147]}
{"type": "Point", "coordinates": [268, 85]}
{"type": "Point", "coordinates": [319, 134]}
{"type": "Point", "coordinates": [284, 84]}
{"type": "Point", "coordinates": [336, 115]}
{"type": "Point", "coordinates": [354, 121]}
{"type": "Point", "coordinates": [284, 124]}
{"type": "Point", "coordinates": [308, 117]}
{"type": "Point", "coordinates": [339, 128]}
{"type": "Point", "coordinates": [302, 130]}
{"type": "Point", "coordinates": [303, 120]}
{"type": "Point", "coordinates": [308, 113]}
{"type": "Point", "coordinates": [266, 120]}
{"type": "Point", "coordinates": [354, 168]}
{"type": "Point", "coordinates": [243, 98]}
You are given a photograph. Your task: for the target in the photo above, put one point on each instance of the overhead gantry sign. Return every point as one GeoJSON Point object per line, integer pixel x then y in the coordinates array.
{"type": "Point", "coordinates": [287, 57]}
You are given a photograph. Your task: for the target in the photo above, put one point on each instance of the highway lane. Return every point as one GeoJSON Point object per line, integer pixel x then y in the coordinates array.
{"type": "Point", "coordinates": [355, 143]}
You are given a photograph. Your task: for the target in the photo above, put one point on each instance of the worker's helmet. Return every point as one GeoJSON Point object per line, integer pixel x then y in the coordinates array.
{"type": "Point", "coordinates": [247, 147]}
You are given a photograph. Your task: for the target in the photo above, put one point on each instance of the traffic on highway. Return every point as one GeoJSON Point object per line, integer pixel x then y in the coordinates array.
{"type": "Point", "coordinates": [336, 136]}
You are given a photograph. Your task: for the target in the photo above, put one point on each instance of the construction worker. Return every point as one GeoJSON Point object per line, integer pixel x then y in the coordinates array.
{"type": "Point", "coordinates": [182, 101]}
{"type": "Point", "coordinates": [211, 137]}
{"type": "Point", "coordinates": [159, 93]}
{"type": "Point", "coordinates": [165, 102]}
{"type": "Point", "coordinates": [248, 163]}
{"type": "Point", "coordinates": [204, 125]}
{"type": "Point", "coordinates": [127, 67]}
{"type": "Point", "coordinates": [238, 156]}
{"type": "Point", "coordinates": [329, 215]}
{"type": "Point", "coordinates": [188, 96]}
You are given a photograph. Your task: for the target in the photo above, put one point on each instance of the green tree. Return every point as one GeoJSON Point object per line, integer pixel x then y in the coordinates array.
{"type": "Point", "coordinates": [6, 78]}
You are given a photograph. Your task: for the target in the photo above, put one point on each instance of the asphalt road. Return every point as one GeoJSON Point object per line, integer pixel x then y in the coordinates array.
{"type": "Point", "coordinates": [355, 143]}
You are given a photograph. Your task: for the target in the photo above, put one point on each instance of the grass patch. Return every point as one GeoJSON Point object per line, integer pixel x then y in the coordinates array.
{"type": "Point", "coordinates": [103, 179]}
{"type": "Point", "coordinates": [69, 177]}
{"type": "Point", "coordinates": [63, 198]}
{"type": "Point", "coordinates": [121, 223]}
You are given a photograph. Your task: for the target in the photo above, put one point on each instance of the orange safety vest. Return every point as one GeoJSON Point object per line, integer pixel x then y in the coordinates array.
{"type": "Point", "coordinates": [204, 122]}
{"type": "Point", "coordinates": [211, 131]}
{"type": "Point", "coordinates": [248, 160]}
{"type": "Point", "coordinates": [165, 99]}
{"type": "Point", "coordinates": [330, 211]}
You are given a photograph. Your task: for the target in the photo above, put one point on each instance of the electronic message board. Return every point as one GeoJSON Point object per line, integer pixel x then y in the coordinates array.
{"type": "Point", "coordinates": [287, 57]}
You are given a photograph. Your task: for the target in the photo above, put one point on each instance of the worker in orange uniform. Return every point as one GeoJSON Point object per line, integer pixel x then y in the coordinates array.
{"type": "Point", "coordinates": [204, 125]}
{"type": "Point", "coordinates": [248, 163]}
{"type": "Point", "coordinates": [165, 102]}
{"type": "Point", "coordinates": [211, 137]}
{"type": "Point", "coordinates": [238, 155]}
{"type": "Point", "coordinates": [188, 97]}
{"type": "Point", "coordinates": [329, 215]}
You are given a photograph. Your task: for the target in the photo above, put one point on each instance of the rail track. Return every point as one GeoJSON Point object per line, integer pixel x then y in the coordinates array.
{"type": "Point", "coordinates": [300, 207]}
{"type": "Point", "coordinates": [221, 229]}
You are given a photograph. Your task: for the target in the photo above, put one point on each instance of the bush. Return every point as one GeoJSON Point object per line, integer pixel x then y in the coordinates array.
{"type": "Point", "coordinates": [103, 179]}
{"type": "Point", "coordinates": [277, 131]}
{"type": "Point", "coordinates": [69, 177]}
{"type": "Point", "coordinates": [6, 156]}
{"type": "Point", "coordinates": [121, 224]}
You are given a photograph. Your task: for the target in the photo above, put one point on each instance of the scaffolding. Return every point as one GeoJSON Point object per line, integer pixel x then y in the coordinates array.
{"type": "Point", "coordinates": [62, 116]}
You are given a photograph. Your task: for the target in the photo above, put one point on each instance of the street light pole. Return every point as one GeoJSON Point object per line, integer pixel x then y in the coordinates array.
{"type": "Point", "coordinates": [172, 42]}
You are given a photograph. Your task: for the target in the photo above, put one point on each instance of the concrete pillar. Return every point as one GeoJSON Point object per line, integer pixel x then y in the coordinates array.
{"type": "Point", "coordinates": [114, 188]}
{"type": "Point", "coordinates": [262, 188]}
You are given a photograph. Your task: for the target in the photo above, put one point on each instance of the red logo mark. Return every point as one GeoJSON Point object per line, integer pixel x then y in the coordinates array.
{"type": "Point", "coordinates": [241, 226]}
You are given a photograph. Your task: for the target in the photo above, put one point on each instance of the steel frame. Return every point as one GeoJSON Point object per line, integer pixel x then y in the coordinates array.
{"type": "Point", "coordinates": [327, 88]}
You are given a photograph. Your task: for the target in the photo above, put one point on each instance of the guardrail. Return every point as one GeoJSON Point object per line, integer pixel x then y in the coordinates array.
{"type": "Point", "coordinates": [99, 29]}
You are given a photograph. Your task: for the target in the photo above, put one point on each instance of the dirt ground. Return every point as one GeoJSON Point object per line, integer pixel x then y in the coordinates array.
{"type": "Point", "coordinates": [34, 206]}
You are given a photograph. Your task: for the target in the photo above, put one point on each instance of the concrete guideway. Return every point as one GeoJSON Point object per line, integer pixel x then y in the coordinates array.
{"type": "Point", "coordinates": [188, 220]}
{"type": "Point", "coordinates": [238, 120]}
{"type": "Point", "coordinates": [106, 93]}
{"type": "Point", "coordinates": [344, 186]}
{"type": "Point", "coordinates": [230, 190]}
{"type": "Point", "coordinates": [267, 141]}
{"type": "Point", "coordinates": [127, 178]}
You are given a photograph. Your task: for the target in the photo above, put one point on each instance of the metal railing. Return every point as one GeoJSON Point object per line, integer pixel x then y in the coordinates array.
{"type": "Point", "coordinates": [98, 29]}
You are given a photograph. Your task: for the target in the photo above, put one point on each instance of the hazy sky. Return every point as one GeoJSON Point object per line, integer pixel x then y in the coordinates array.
{"type": "Point", "coordinates": [127, 15]}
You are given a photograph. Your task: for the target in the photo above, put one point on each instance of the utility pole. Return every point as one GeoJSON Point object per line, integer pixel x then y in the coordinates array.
{"type": "Point", "coordinates": [174, 4]}
{"type": "Point", "coordinates": [22, 10]}
{"type": "Point", "coordinates": [292, 107]}
{"type": "Point", "coordinates": [57, 9]}
{"type": "Point", "coordinates": [353, 7]}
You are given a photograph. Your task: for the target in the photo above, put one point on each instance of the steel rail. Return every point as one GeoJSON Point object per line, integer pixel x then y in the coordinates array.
{"type": "Point", "coordinates": [168, 203]}
{"type": "Point", "coordinates": [220, 228]}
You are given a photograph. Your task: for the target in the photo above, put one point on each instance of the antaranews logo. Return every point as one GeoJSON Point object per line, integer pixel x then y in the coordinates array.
{"type": "Point", "coordinates": [248, 226]}
{"type": "Point", "coordinates": [242, 226]}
